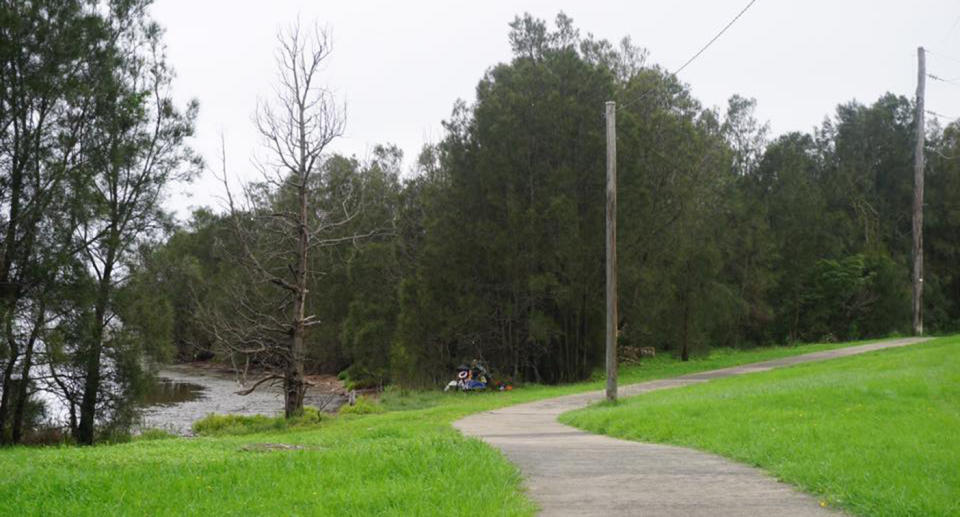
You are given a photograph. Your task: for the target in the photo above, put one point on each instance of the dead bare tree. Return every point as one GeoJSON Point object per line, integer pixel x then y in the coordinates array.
{"type": "Point", "coordinates": [278, 222]}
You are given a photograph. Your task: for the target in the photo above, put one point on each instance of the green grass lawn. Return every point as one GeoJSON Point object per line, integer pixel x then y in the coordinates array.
{"type": "Point", "coordinates": [877, 434]}
{"type": "Point", "coordinates": [406, 461]}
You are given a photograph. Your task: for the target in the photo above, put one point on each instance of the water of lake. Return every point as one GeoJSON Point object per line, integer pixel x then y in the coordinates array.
{"type": "Point", "coordinates": [187, 394]}
{"type": "Point", "coordinates": [184, 394]}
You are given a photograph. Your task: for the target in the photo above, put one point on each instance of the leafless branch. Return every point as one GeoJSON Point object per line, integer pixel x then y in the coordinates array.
{"type": "Point", "coordinates": [257, 384]}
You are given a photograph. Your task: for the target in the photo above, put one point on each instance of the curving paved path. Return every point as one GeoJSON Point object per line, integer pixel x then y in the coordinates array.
{"type": "Point", "coordinates": [571, 472]}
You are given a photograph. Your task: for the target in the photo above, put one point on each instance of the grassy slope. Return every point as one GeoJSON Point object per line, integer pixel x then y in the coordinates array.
{"type": "Point", "coordinates": [408, 461]}
{"type": "Point", "coordinates": [875, 434]}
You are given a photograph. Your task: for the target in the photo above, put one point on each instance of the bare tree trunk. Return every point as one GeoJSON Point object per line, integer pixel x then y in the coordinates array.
{"type": "Point", "coordinates": [293, 378]}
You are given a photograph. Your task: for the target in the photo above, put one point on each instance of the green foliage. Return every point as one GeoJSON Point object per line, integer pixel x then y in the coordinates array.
{"type": "Point", "coordinates": [184, 272]}
{"type": "Point", "coordinates": [220, 425]}
{"type": "Point", "coordinates": [148, 315]}
{"type": "Point", "coordinates": [91, 138]}
{"type": "Point", "coordinates": [856, 296]}
{"type": "Point", "coordinates": [363, 406]}
{"type": "Point", "coordinates": [513, 228]}
{"type": "Point", "coordinates": [236, 424]}
{"type": "Point", "coordinates": [859, 432]}
{"type": "Point", "coordinates": [356, 377]}
{"type": "Point", "coordinates": [942, 224]}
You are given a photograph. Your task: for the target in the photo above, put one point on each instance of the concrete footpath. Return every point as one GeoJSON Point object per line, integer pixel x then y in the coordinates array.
{"type": "Point", "coordinates": [572, 472]}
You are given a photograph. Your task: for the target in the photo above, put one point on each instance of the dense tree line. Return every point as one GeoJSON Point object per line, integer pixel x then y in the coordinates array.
{"type": "Point", "coordinates": [493, 247]}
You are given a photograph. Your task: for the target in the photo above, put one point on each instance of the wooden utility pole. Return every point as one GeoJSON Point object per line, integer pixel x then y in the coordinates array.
{"type": "Point", "coordinates": [611, 251]}
{"type": "Point", "coordinates": [918, 198]}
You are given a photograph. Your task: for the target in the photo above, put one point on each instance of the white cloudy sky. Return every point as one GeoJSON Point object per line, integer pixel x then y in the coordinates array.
{"type": "Point", "coordinates": [401, 65]}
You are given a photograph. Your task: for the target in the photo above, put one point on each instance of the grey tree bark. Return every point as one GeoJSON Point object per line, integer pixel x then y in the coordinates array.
{"type": "Point", "coordinates": [297, 126]}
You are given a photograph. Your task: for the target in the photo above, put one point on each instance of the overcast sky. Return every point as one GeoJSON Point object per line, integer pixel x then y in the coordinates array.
{"type": "Point", "coordinates": [401, 65]}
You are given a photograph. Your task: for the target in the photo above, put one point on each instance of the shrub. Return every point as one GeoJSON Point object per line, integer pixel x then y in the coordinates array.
{"type": "Point", "coordinates": [215, 425]}
{"type": "Point", "coordinates": [356, 377]}
{"type": "Point", "coordinates": [364, 406]}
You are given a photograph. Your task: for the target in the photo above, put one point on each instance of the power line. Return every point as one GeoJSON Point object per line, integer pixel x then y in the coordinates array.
{"type": "Point", "coordinates": [942, 80]}
{"type": "Point", "coordinates": [705, 47]}
{"type": "Point", "coordinates": [950, 120]}
{"type": "Point", "coordinates": [695, 56]}
{"type": "Point", "coordinates": [938, 78]}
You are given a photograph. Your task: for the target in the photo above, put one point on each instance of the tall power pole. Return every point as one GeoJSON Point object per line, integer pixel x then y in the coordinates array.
{"type": "Point", "coordinates": [918, 197]}
{"type": "Point", "coordinates": [611, 251]}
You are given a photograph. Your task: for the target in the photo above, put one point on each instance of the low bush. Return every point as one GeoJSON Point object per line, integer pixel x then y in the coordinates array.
{"type": "Point", "coordinates": [364, 406]}
{"type": "Point", "coordinates": [217, 425]}
{"type": "Point", "coordinates": [357, 377]}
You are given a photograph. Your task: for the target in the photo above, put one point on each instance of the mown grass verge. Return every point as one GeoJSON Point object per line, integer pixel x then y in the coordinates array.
{"type": "Point", "coordinates": [874, 434]}
{"type": "Point", "coordinates": [406, 461]}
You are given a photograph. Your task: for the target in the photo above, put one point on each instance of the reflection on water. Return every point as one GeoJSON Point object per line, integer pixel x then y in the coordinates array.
{"type": "Point", "coordinates": [168, 392]}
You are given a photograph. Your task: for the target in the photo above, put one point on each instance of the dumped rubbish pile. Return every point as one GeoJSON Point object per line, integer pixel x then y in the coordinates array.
{"type": "Point", "coordinates": [475, 377]}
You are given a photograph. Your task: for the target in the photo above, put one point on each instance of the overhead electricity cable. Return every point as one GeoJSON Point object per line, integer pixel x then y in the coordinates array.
{"type": "Point", "coordinates": [938, 78]}
{"type": "Point", "coordinates": [942, 80]}
{"type": "Point", "coordinates": [695, 56]}
{"type": "Point", "coordinates": [705, 47]}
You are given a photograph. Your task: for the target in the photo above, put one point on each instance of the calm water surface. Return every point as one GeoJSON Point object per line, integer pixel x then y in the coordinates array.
{"type": "Point", "coordinates": [186, 394]}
